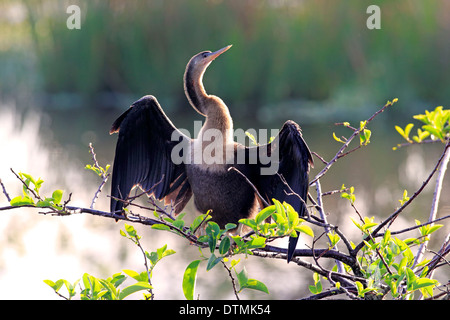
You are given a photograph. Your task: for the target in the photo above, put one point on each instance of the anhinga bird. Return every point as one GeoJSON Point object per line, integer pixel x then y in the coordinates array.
{"type": "Point", "coordinates": [148, 141]}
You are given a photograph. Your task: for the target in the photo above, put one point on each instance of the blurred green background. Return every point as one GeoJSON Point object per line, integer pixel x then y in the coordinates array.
{"type": "Point", "coordinates": [283, 50]}
{"type": "Point", "coordinates": [314, 62]}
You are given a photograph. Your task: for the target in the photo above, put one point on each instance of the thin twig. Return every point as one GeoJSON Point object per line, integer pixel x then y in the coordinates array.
{"type": "Point", "coordinates": [233, 282]}
{"type": "Point", "coordinates": [251, 185]}
{"type": "Point", "coordinates": [319, 157]}
{"type": "Point", "coordinates": [293, 193]}
{"type": "Point", "coordinates": [4, 191]}
{"type": "Point", "coordinates": [331, 192]}
{"type": "Point", "coordinates": [407, 144]}
{"type": "Point", "coordinates": [28, 188]}
{"type": "Point", "coordinates": [146, 267]}
{"type": "Point", "coordinates": [378, 235]}
{"type": "Point", "coordinates": [340, 152]}
{"type": "Point", "coordinates": [443, 251]}
{"type": "Point", "coordinates": [324, 218]}
{"type": "Point", "coordinates": [103, 176]}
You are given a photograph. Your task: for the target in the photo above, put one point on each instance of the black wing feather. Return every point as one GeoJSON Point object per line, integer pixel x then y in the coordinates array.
{"type": "Point", "coordinates": [143, 155]}
{"type": "Point", "coordinates": [293, 167]}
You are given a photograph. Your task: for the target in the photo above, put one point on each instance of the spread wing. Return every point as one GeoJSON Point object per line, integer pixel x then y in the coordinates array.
{"type": "Point", "coordinates": [144, 156]}
{"type": "Point", "coordinates": [286, 176]}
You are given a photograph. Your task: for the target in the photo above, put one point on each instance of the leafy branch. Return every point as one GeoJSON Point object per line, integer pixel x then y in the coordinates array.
{"type": "Point", "coordinates": [383, 263]}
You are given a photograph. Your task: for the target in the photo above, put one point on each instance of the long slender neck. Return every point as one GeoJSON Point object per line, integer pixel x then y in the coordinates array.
{"type": "Point", "coordinates": [212, 107]}
{"type": "Point", "coordinates": [195, 92]}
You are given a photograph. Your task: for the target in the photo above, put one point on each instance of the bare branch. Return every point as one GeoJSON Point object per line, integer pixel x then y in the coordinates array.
{"type": "Point", "coordinates": [324, 218]}
{"type": "Point", "coordinates": [4, 191]}
{"type": "Point", "coordinates": [233, 282]}
{"type": "Point", "coordinates": [435, 202]}
{"type": "Point", "coordinates": [28, 188]}
{"type": "Point", "coordinates": [251, 185]}
{"type": "Point", "coordinates": [103, 176]}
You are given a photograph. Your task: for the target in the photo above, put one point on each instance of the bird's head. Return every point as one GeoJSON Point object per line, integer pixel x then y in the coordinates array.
{"type": "Point", "coordinates": [193, 78]}
{"type": "Point", "coordinates": [202, 60]}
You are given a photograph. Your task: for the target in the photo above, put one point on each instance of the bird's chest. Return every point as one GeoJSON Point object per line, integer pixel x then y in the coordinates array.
{"type": "Point", "coordinates": [211, 153]}
{"type": "Point", "coordinates": [221, 191]}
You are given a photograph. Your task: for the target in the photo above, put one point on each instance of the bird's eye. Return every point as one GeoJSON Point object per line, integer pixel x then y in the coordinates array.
{"type": "Point", "coordinates": [204, 55]}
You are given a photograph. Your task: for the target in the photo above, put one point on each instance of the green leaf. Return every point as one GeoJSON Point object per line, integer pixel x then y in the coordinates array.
{"type": "Point", "coordinates": [364, 137]}
{"type": "Point", "coordinates": [71, 287]}
{"type": "Point", "coordinates": [224, 245]}
{"type": "Point", "coordinates": [111, 291]}
{"type": "Point", "coordinates": [422, 117]}
{"type": "Point", "coordinates": [27, 176]}
{"type": "Point", "coordinates": [264, 214]}
{"type": "Point", "coordinates": [410, 277]}
{"type": "Point", "coordinates": [38, 184]}
{"type": "Point", "coordinates": [160, 226]}
{"type": "Point", "coordinates": [44, 203]}
{"type": "Point", "coordinates": [255, 285]}
{"type": "Point", "coordinates": [360, 288]}
{"type": "Point", "coordinates": [405, 133]}
{"type": "Point", "coordinates": [135, 275]}
{"type": "Point", "coordinates": [93, 287]}
{"type": "Point", "coordinates": [117, 279]}
{"type": "Point", "coordinates": [213, 231]}
{"type": "Point", "coordinates": [189, 278]}
{"type": "Point", "coordinates": [134, 288]}
{"type": "Point", "coordinates": [230, 226]}
{"type": "Point", "coordinates": [292, 215]}
{"type": "Point", "coordinates": [212, 261]}
{"type": "Point", "coordinates": [405, 197]}
{"type": "Point", "coordinates": [313, 289]}
{"type": "Point", "coordinates": [55, 285]}
{"type": "Point", "coordinates": [305, 229]}
{"type": "Point", "coordinates": [434, 131]}
{"type": "Point", "coordinates": [198, 221]}
{"type": "Point", "coordinates": [160, 251]}
{"type": "Point", "coordinates": [130, 230]}
{"type": "Point", "coordinates": [317, 287]}
{"type": "Point", "coordinates": [235, 262]}
{"type": "Point", "coordinates": [434, 228]}
{"type": "Point", "coordinates": [249, 223]}
{"type": "Point", "coordinates": [245, 282]}
{"type": "Point", "coordinates": [423, 282]}
{"type": "Point", "coordinates": [408, 128]}
{"type": "Point", "coordinates": [252, 138]}
{"type": "Point", "coordinates": [256, 242]}
{"type": "Point", "coordinates": [337, 139]}
{"type": "Point", "coordinates": [279, 216]}
{"type": "Point", "coordinates": [21, 201]}
{"type": "Point", "coordinates": [242, 277]}
{"type": "Point", "coordinates": [334, 238]}
{"type": "Point", "coordinates": [178, 223]}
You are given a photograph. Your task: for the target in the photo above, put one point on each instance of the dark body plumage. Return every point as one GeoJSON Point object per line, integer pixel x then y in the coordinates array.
{"type": "Point", "coordinates": [146, 146]}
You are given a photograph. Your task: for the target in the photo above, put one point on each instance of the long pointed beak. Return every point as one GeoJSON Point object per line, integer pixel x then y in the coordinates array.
{"type": "Point", "coordinates": [217, 53]}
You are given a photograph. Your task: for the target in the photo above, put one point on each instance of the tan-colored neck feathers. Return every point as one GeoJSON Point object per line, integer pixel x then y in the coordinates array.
{"type": "Point", "coordinates": [217, 131]}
